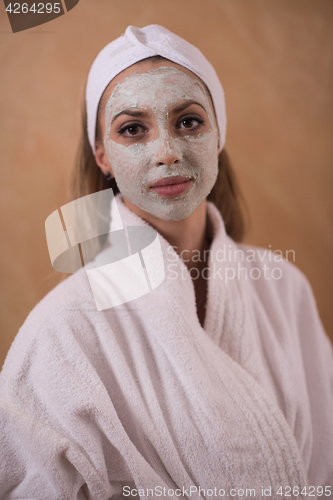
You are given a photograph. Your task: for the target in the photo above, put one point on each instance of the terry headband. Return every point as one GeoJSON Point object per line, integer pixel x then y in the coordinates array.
{"type": "Point", "coordinates": [137, 44]}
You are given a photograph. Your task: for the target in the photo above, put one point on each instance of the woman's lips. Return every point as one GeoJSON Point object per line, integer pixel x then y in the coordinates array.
{"type": "Point", "coordinates": [171, 186]}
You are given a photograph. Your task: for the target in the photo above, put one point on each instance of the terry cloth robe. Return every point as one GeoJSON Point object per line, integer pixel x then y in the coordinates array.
{"type": "Point", "coordinates": [140, 401]}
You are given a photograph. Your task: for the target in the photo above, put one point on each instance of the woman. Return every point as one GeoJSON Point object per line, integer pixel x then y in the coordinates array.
{"type": "Point", "coordinates": [217, 381]}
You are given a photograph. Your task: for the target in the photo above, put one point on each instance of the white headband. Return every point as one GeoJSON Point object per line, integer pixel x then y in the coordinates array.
{"type": "Point", "coordinates": [137, 44]}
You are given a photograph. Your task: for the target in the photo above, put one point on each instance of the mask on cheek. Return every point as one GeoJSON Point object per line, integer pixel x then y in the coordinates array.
{"type": "Point", "coordinates": [137, 165]}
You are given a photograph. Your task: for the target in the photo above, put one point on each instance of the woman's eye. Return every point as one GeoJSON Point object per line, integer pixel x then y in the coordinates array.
{"type": "Point", "coordinates": [131, 130]}
{"type": "Point", "coordinates": [190, 123]}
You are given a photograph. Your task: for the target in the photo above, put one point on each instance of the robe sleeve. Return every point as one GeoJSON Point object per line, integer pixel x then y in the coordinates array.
{"type": "Point", "coordinates": [318, 363]}
{"type": "Point", "coordinates": [53, 408]}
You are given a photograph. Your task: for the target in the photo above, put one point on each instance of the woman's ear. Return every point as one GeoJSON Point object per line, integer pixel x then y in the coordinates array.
{"type": "Point", "coordinates": [102, 160]}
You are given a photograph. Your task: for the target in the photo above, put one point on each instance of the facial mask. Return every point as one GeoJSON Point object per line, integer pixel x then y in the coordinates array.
{"type": "Point", "coordinates": [137, 165]}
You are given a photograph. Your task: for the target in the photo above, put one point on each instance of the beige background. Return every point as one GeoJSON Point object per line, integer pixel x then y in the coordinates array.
{"type": "Point", "coordinates": [274, 58]}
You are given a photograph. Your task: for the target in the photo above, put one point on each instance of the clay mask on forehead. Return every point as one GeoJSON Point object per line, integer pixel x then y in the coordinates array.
{"type": "Point", "coordinates": [137, 165]}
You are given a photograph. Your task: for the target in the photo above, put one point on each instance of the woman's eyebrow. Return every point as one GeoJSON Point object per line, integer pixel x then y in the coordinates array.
{"type": "Point", "coordinates": [131, 112]}
{"type": "Point", "coordinates": [144, 114]}
{"type": "Point", "coordinates": [186, 104]}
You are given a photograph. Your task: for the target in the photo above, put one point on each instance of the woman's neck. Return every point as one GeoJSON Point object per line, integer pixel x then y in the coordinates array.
{"type": "Point", "coordinates": [187, 236]}
{"type": "Point", "coordinates": [190, 238]}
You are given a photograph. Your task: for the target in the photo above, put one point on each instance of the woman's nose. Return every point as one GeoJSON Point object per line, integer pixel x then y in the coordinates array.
{"type": "Point", "coordinates": [167, 153]}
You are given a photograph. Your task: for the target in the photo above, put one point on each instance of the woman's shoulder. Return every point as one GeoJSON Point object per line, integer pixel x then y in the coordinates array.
{"type": "Point", "coordinates": [59, 318]}
{"type": "Point", "coordinates": [265, 265]}
{"type": "Point", "coordinates": [277, 281]}
{"type": "Point", "coordinates": [69, 297]}
{"type": "Point", "coordinates": [287, 298]}
{"type": "Point", "coordinates": [262, 267]}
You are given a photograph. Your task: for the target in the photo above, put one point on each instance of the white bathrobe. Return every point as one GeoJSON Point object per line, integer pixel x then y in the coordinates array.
{"type": "Point", "coordinates": [140, 401]}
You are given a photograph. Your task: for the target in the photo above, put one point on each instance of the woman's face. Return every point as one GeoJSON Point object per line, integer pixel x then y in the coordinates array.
{"type": "Point", "coordinates": [160, 139]}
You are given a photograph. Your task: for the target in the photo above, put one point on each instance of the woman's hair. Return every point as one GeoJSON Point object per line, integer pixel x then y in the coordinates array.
{"type": "Point", "coordinates": [88, 178]}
